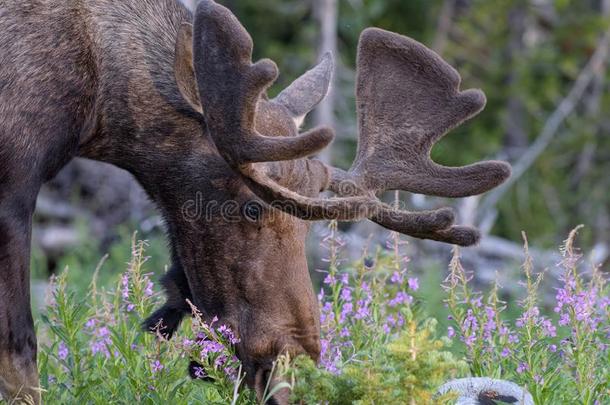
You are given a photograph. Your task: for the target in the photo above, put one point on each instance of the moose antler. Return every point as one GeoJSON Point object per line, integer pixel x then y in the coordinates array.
{"type": "Point", "coordinates": [408, 98]}
{"type": "Point", "coordinates": [232, 88]}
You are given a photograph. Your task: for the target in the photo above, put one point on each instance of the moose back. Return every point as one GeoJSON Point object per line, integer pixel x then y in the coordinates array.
{"type": "Point", "coordinates": [174, 98]}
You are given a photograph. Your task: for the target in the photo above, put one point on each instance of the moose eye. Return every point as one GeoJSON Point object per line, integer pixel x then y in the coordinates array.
{"type": "Point", "coordinates": [253, 211]}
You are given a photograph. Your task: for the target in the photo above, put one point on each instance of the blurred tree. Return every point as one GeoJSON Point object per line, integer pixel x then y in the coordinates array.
{"type": "Point", "coordinates": [525, 55]}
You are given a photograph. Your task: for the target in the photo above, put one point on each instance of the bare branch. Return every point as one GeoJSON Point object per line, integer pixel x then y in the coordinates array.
{"type": "Point", "coordinates": [553, 124]}
{"type": "Point", "coordinates": [443, 27]}
{"type": "Point", "coordinates": [327, 15]}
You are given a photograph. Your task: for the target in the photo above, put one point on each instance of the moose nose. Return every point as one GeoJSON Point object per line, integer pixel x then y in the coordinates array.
{"type": "Point", "coordinates": [265, 384]}
{"type": "Point", "coordinates": [266, 374]}
{"type": "Point", "coordinates": [310, 345]}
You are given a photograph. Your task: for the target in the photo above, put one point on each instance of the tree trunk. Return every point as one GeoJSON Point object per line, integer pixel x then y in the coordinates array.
{"type": "Point", "coordinates": [326, 12]}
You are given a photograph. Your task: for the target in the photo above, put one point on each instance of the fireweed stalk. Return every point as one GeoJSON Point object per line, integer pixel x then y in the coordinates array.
{"type": "Point", "coordinates": [559, 359]}
{"type": "Point", "coordinates": [373, 348]}
{"type": "Point", "coordinates": [364, 305]}
{"type": "Point", "coordinates": [93, 350]}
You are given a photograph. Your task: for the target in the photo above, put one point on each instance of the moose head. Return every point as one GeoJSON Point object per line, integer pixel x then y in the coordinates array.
{"type": "Point", "coordinates": [250, 270]}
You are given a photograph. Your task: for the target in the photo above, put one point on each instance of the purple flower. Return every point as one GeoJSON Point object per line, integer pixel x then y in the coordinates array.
{"type": "Point", "coordinates": [450, 332]}
{"type": "Point", "coordinates": [505, 352]}
{"type": "Point", "coordinates": [208, 347]}
{"type": "Point", "coordinates": [99, 347]}
{"type": "Point", "coordinates": [397, 278]}
{"type": "Point", "coordinates": [470, 322]}
{"type": "Point", "coordinates": [346, 294]}
{"type": "Point", "coordinates": [230, 372]}
{"type": "Point", "coordinates": [62, 351]}
{"type": "Point", "coordinates": [477, 302]}
{"type": "Point", "coordinates": [327, 314]}
{"type": "Point", "coordinates": [199, 373]}
{"type": "Point", "coordinates": [125, 286]}
{"type": "Point", "coordinates": [148, 291]}
{"type": "Point", "coordinates": [564, 319]}
{"type": "Point", "coordinates": [220, 360]}
{"type": "Point", "coordinates": [552, 348]}
{"type": "Point", "coordinates": [469, 340]}
{"type": "Point", "coordinates": [413, 284]}
{"type": "Point", "coordinates": [401, 298]}
{"type": "Point", "coordinates": [548, 328]}
{"type": "Point", "coordinates": [345, 312]}
{"type": "Point", "coordinates": [363, 309]}
{"type": "Point", "coordinates": [522, 368]}
{"type": "Point", "coordinates": [324, 346]}
{"type": "Point", "coordinates": [100, 341]}
{"type": "Point", "coordinates": [156, 366]}
{"type": "Point", "coordinates": [365, 288]}
{"type": "Point", "coordinates": [330, 280]}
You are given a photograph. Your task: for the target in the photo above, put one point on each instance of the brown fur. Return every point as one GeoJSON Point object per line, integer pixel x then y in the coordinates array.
{"type": "Point", "coordinates": [96, 79]}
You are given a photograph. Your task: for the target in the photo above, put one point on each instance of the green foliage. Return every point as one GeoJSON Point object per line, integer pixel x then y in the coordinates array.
{"type": "Point", "coordinates": [88, 254]}
{"type": "Point", "coordinates": [375, 348]}
{"type": "Point", "coordinates": [561, 358]}
{"type": "Point", "coordinates": [94, 351]}
{"type": "Point", "coordinates": [407, 370]}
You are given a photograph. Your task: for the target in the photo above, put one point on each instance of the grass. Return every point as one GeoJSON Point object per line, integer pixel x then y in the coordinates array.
{"type": "Point", "coordinates": [379, 340]}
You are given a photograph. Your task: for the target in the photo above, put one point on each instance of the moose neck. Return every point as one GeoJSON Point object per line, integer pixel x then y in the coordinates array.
{"type": "Point", "coordinates": [141, 120]}
{"type": "Point", "coordinates": [143, 124]}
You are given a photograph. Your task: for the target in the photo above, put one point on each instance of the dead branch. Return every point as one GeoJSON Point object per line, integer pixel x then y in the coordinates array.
{"type": "Point", "coordinates": [553, 124]}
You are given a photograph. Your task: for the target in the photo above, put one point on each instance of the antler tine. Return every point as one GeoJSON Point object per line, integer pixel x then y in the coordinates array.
{"type": "Point", "coordinates": [409, 98]}
{"type": "Point", "coordinates": [229, 94]}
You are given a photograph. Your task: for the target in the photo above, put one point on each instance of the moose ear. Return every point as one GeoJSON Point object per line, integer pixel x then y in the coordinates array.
{"type": "Point", "coordinates": [308, 90]}
{"type": "Point", "coordinates": [184, 69]}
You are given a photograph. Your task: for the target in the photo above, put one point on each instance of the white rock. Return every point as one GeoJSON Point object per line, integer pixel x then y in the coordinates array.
{"type": "Point", "coordinates": [471, 389]}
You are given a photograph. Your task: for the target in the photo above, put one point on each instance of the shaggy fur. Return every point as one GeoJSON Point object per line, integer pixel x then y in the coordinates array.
{"type": "Point", "coordinates": [99, 79]}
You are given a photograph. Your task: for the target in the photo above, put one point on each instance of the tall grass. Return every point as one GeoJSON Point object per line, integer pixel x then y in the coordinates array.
{"type": "Point", "coordinates": [377, 343]}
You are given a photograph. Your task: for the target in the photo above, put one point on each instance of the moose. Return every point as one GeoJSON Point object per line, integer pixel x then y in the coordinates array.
{"type": "Point", "coordinates": [173, 97]}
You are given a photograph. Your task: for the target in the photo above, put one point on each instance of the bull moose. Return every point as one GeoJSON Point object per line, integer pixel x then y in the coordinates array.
{"type": "Point", "coordinates": [174, 98]}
